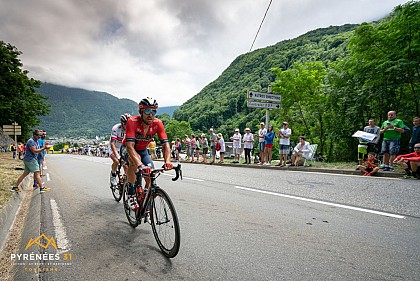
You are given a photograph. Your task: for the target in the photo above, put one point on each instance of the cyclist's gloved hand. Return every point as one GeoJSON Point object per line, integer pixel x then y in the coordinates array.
{"type": "Point", "coordinates": [168, 166]}
{"type": "Point", "coordinates": [146, 170]}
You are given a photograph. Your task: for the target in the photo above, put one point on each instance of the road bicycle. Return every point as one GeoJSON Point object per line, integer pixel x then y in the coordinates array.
{"type": "Point", "coordinates": [157, 209]}
{"type": "Point", "coordinates": [117, 191]}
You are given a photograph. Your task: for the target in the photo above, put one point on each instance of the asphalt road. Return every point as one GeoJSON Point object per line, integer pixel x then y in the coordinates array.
{"type": "Point", "coordinates": [237, 223]}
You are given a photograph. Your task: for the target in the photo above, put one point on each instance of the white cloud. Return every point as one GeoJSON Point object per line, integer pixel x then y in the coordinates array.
{"type": "Point", "coordinates": [166, 49]}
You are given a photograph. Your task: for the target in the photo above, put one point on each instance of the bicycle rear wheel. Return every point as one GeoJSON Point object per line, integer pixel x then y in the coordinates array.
{"type": "Point", "coordinates": [165, 224]}
{"type": "Point", "coordinates": [129, 213]}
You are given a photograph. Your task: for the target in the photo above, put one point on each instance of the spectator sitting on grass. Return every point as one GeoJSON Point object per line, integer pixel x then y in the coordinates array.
{"type": "Point", "coordinates": [300, 152]}
{"type": "Point", "coordinates": [411, 160]}
{"type": "Point", "coordinates": [369, 167]}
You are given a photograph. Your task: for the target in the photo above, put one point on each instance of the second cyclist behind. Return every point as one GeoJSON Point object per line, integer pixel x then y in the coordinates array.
{"type": "Point", "coordinates": [140, 130]}
{"type": "Point", "coordinates": [117, 136]}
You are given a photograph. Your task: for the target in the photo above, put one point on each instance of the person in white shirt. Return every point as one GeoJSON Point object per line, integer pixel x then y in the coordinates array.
{"type": "Point", "coordinates": [248, 145]}
{"type": "Point", "coordinates": [261, 142]}
{"type": "Point", "coordinates": [236, 139]}
{"type": "Point", "coordinates": [222, 148]}
{"type": "Point", "coordinates": [302, 149]}
{"type": "Point", "coordinates": [284, 150]}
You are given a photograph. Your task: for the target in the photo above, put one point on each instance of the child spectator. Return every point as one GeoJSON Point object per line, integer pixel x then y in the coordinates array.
{"type": "Point", "coordinates": [369, 168]}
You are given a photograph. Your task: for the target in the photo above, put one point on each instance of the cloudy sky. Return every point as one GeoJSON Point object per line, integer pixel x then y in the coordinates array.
{"type": "Point", "coordinates": [167, 49]}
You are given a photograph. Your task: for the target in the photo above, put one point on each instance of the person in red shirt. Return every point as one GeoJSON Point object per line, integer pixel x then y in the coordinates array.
{"type": "Point", "coordinates": [369, 168]}
{"type": "Point", "coordinates": [411, 160]}
{"type": "Point", "coordinates": [140, 130]}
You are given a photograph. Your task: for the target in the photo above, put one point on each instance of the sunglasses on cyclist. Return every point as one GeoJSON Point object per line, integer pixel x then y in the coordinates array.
{"type": "Point", "coordinates": [148, 111]}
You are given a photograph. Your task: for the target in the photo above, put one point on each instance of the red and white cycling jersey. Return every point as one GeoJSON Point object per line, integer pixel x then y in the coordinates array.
{"type": "Point", "coordinates": [117, 136]}
{"type": "Point", "coordinates": [135, 132]}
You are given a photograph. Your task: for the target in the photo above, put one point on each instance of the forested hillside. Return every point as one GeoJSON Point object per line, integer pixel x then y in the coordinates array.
{"type": "Point", "coordinates": [78, 112]}
{"type": "Point", "coordinates": [224, 100]}
{"type": "Point", "coordinates": [332, 80]}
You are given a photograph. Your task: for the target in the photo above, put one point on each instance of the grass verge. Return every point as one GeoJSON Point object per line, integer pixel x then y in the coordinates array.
{"type": "Point", "coordinates": [8, 175]}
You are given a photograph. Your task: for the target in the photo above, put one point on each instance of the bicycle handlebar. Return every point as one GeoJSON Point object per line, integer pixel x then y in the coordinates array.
{"type": "Point", "coordinates": [178, 172]}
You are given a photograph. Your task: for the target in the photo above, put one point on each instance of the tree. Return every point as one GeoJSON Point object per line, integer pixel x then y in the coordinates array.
{"type": "Point", "coordinates": [303, 97]}
{"type": "Point", "coordinates": [19, 102]}
{"type": "Point", "coordinates": [176, 129]}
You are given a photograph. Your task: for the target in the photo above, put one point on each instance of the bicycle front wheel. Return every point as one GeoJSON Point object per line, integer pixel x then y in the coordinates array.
{"type": "Point", "coordinates": [165, 224]}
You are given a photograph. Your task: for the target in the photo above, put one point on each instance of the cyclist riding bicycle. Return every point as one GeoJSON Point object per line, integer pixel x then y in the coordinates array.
{"type": "Point", "coordinates": [140, 130]}
{"type": "Point", "coordinates": [117, 136]}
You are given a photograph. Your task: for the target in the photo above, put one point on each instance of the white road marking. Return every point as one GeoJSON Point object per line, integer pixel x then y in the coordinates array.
{"type": "Point", "coordinates": [63, 243]}
{"type": "Point", "coordinates": [323, 202]}
{"type": "Point", "coordinates": [48, 177]}
{"type": "Point", "coordinates": [186, 178]}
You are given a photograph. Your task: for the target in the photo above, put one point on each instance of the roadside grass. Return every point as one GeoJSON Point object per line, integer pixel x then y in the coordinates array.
{"type": "Point", "coordinates": [8, 175]}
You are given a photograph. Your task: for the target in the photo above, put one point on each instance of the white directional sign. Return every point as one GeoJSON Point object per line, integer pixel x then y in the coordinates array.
{"type": "Point", "coordinates": [267, 105]}
{"type": "Point", "coordinates": [264, 96]}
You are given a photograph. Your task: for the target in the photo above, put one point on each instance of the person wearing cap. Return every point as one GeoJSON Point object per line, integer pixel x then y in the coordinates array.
{"type": "Point", "coordinates": [284, 150]}
{"type": "Point", "coordinates": [213, 140]}
{"type": "Point", "coordinates": [236, 139]}
{"type": "Point", "coordinates": [222, 147]}
{"type": "Point", "coordinates": [248, 145]}
{"type": "Point", "coordinates": [261, 142]}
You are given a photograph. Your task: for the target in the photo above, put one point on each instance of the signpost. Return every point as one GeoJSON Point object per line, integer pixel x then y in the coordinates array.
{"type": "Point", "coordinates": [12, 130]}
{"type": "Point", "coordinates": [264, 96]}
{"type": "Point", "coordinates": [264, 100]}
{"type": "Point", "coordinates": [268, 105]}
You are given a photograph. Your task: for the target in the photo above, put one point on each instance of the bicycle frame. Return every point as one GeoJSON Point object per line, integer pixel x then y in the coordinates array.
{"type": "Point", "coordinates": [155, 173]}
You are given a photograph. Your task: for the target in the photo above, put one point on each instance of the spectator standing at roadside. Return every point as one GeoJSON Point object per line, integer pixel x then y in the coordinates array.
{"type": "Point", "coordinates": [284, 150]}
{"type": "Point", "coordinates": [21, 150]}
{"type": "Point", "coordinates": [261, 142]}
{"type": "Point", "coordinates": [222, 148]}
{"type": "Point", "coordinates": [152, 148]}
{"type": "Point", "coordinates": [40, 157]}
{"type": "Point", "coordinates": [13, 149]}
{"type": "Point", "coordinates": [415, 135]}
{"type": "Point", "coordinates": [197, 147]}
{"type": "Point", "coordinates": [205, 145]}
{"type": "Point", "coordinates": [187, 142]}
{"type": "Point", "coordinates": [174, 150]}
{"type": "Point", "coordinates": [248, 145]}
{"type": "Point", "coordinates": [269, 139]}
{"type": "Point", "coordinates": [391, 129]}
{"type": "Point", "coordinates": [213, 140]}
{"type": "Point", "coordinates": [236, 139]}
{"type": "Point", "coordinates": [193, 147]}
{"type": "Point", "coordinates": [373, 129]}
{"type": "Point", "coordinates": [30, 161]}
{"type": "Point", "coordinates": [178, 148]}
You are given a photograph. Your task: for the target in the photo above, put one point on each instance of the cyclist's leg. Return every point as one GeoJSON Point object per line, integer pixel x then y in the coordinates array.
{"type": "Point", "coordinates": [114, 165]}
{"type": "Point", "coordinates": [146, 160]}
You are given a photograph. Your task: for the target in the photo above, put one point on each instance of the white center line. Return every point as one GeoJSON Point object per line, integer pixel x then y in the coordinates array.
{"type": "Point", "coordinates": [63, 243]}
{"type": "Point", "coordinates": [323, 202]}
{"type": "Point", "coordinates": [186, 178]}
